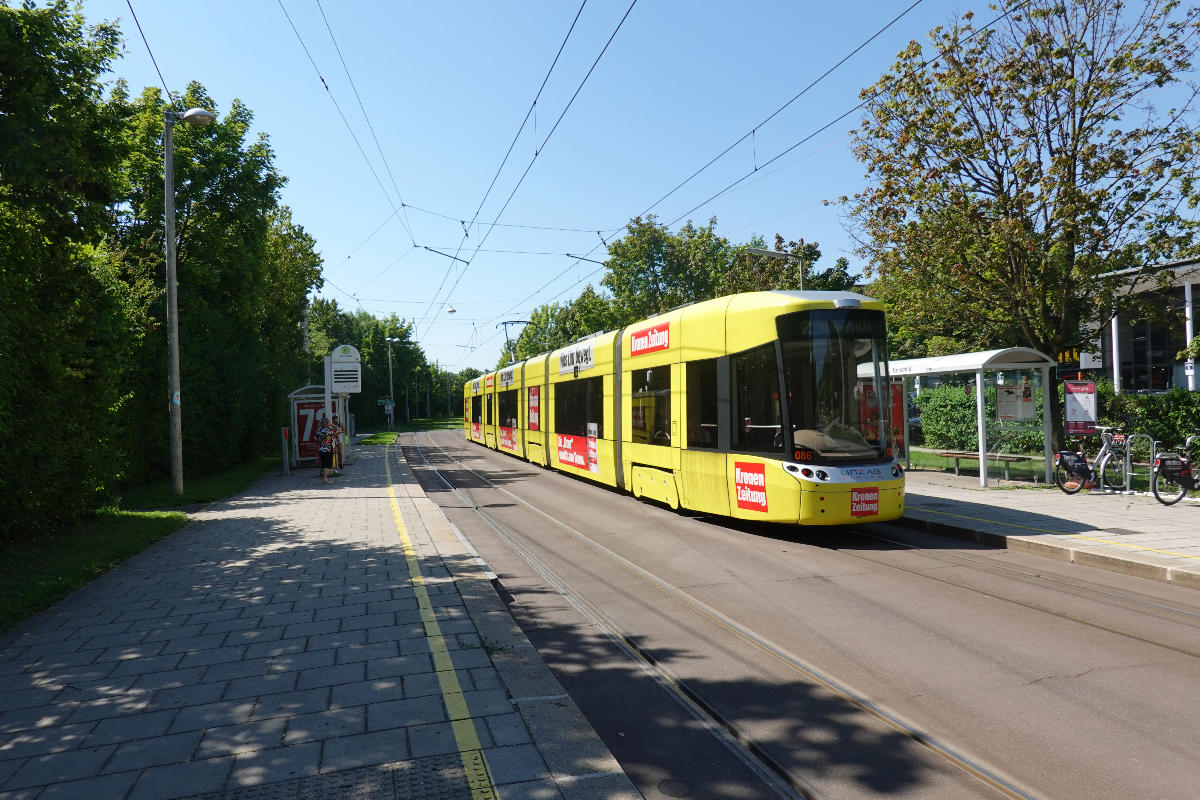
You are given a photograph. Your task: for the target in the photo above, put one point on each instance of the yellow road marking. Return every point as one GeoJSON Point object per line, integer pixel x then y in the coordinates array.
{"type": "Point", "coordinates": [1058, 533]}
{"type": "Point", "coordinates": [470, 750]}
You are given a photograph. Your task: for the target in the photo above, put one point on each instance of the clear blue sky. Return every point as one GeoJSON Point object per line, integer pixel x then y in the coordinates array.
{"type": "Point", "coordinates": [446, 87]}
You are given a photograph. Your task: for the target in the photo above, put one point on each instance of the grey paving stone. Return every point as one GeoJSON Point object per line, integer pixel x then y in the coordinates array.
{"type": "Point", "coordinates": [67, 766]}
{"type": "Point", "coordinates": [171, 679]}
{"type": "Point", "coordinates": [380, 620]}
{"type": "Point", "coordinates": [422, 684]}
{"type": "Point", "coordinates": [368, 749]}
{"type": "Point", "coordinates": [28, 697]}
{"type": "Point", "coordinates": [245, 738]}
{"type": "Point", "coordinates": [261, 684]}
{"type": "Point", "coordinates": [401, 630]}
{"type": "Point", "coordinates": [109, 707]}
{"type": "Point", "coordinates": [154, 752]}
{"type": "Point", "coordinates": [312, 628]}
{"type": "Point", "coordinates": [177, 697]}
{"type": "Point", "coordinates": [400, 713]}
{"type": "Point", "coordinates": [126, 652]}
{"type": "Point", "coordinates": [275, 649]}
{"type": "Point", "coordinates": [400, 665]}
{"type": "Point", "coordinates": [195, 777]}
{"type": "Point", "coordinates": [255, 636]}
{"type": "Point", "coordinates": [281, 764]}
{"type": "Point", "coordinates": [131, 727]}
{"type": "Point", "coordinates": [104, 643]}
{"type": "Point", "coordinates": [44, 741]}
{"type": "Point", "coordinates": [298, 662]}
{"type": "Point", "coordinates": [330, 724]}
{"type": "Point", "coordinates": [363, 693]}
{"type": "Point", "coordinates": [192, 644]}
{"type": "Point", "coordinates": [229, 712]}
{"type": "Point", "coordinates": [507, 729]}
{"type": "Point", "coordinates": [307, 701]}
{"type": "Point", "coordinates": [234, 670]}
{"type": "Point", "coordinates": [332, 675]}
{"type": "Point", "coordinates": [105, 787]}
{"type": "Point", "coordinates": [488, 702]}
{"type": "Point", "coordinates": [208, 657]}
{"type": "Point", "coordinates": [332, 641]}
{"type": "Point", "coordinates": [141, 666]}
{"type": "Point", "coordinates": [432, 740]}
{"type": "Point", "coordinates": [515, 764]}
{"type": "Point", "coordinates": [366, 652]}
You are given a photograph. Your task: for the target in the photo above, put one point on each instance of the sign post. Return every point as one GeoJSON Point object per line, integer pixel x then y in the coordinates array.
{"type": "Point", "coordinates": [1080, 402]}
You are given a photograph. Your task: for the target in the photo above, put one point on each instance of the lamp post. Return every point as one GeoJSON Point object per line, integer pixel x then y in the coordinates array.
{"type": "Point", "coordinates": [391, 390]}
{"type": "Point", "coordinates": [193, 116]}
{"type": "Point", "coordinates": [759, 251]}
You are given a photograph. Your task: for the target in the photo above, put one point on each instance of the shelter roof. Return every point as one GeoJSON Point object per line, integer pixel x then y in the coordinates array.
{"type": "Point", "coordinates": [987, 360]}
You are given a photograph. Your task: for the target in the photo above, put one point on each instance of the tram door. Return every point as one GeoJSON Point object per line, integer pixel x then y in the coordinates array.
{"type": "Point", "coordinates": [702, 459]}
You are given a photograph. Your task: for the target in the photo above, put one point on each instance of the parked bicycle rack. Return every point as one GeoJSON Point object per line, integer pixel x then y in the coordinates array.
{"type": "Point", "coordinates": [1129, 473]}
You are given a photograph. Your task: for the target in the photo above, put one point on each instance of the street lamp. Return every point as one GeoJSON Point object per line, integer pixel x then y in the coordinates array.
{"type": "Point", "coordinates": [758, 251]}
{"type": "Point", "coordinates": [391, 391]}
{"type": "Point", "coordinates": [193, 116]}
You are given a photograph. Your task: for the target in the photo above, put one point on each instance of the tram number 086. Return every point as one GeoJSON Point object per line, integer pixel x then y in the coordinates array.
{"type": "Point", "coordinates": [804, 454]}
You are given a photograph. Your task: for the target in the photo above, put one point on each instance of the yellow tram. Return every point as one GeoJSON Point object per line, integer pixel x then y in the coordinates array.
{"type": "Point", "coordinates": [773, 406]}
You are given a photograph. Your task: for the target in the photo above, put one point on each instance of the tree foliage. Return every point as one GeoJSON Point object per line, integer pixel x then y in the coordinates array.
{"type": "Point", "coordinates": [84, 402]}
{"type": "Point", "coordinates": [1019, 163]}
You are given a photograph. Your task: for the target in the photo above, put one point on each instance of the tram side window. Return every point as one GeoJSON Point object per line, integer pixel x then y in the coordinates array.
{"type": "Point", "coordinates": [487, 401]}
{"type": "Point", "coordinates": [651, 405]}
{"type": "Point", "coordinates": [757, 414]}
{"type": "Point", "coordinates": [476, 409]}
{"type": "Point", "coordinates": [702, 403]}
{"type": "Point", "coordinates": [578, 404]}
{"type": "Point", "coordinates": [508, 409]}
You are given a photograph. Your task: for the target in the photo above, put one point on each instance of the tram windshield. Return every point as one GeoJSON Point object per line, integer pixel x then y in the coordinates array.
{"type": "Point", "coordinates": [835, 373]}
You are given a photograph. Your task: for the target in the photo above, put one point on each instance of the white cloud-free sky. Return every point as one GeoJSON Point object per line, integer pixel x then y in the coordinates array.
{"type": "Point", "coordinates": [445, 88]}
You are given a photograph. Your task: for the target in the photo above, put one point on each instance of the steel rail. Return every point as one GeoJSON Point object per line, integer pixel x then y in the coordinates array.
{"type": "Point", "coordinates": [1031, 577]}
{"type": "Point", "coordinates": [988, 775]}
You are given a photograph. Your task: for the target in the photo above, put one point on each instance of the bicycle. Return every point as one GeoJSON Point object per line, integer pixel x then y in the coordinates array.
{"type": "Point", "coordinates": [1072, 472]}
{"type": "Point", "coordinates": [1173, 476]}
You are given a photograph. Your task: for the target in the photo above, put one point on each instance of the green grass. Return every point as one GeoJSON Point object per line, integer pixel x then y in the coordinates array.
{"type": "Point", "coordinates": [36, 574]}
{"type": "Point", "coordinates": [1030, 471]}
{"type": "Point", "coordinates": [430, 424]}
{"type": "Point", "coordinates": [201, 489]}
{"type": "Point", "coordinates": [383, 437]}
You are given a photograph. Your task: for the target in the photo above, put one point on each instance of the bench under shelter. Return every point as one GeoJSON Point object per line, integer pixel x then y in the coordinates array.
{"type": "Point", "coordinates": [1010, 359]}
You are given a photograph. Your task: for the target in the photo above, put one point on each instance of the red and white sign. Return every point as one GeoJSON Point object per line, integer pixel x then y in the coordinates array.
{"type": "Point", "coordinates": [308, 413]}
{"type": "Point", "coordinates": [535, 407]}
{"type": "Point", "coordinates": [507, 440]}
{"type": "Point", "coordinates": [750, 480]}
{"type": "Point", "coordinates": [650, 340]}
{"type": "Point", "coordinates": [1080, 406]}
{"type": "Point", "coordinates": [581, 452]}
{"type": "Point", "coordinates": [490, 381]}
{"type": "Point", "coordinates": [477, 431]}
{"type": "Point", "coordinates": [864, 502]}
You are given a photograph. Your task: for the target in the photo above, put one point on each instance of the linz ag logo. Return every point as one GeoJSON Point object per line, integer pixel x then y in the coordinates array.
{"type": "Point", "coordinates": [750, 480]}
{"type": "Point", "coordinates": [864, 502]}
{"type": "Point", "coordinates": [650, 340]}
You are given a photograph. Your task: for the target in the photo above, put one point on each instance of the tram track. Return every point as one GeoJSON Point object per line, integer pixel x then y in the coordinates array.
{"type": "Point", "coordinates": [1157, 610]}
{"type": "Point", "coordinates": [738, 741]}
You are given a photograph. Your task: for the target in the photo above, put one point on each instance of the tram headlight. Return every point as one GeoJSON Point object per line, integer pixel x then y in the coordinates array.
{"type": "Point", "coordinates": [822, 475]}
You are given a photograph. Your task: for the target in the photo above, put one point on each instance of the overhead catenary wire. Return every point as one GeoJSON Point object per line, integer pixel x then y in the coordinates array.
{"type": "Point", "coordinates": [170, 95]}
{"type": "Point", "coordinates": [342, 114]}
{"type": "Point", "coordinates": [839, 118]}
{"type": "Point", "coordinates": [366, 118]}
{"type": "Point", "coordinates": [504, 161]}
{"type": "Point", "coordinates": [539, 150]}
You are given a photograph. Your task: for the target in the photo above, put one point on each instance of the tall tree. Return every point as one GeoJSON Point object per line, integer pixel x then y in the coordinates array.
{"type": "Point", "coordinates": [651, 270]}
{"type": "Point", "coordinates": [66, 323]}
{"type": "Point", "coordinates": [1019, 163]}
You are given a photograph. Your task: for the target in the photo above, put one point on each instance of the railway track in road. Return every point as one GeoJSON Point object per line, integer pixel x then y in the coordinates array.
{"type": "Point", "coordinates": [1139, 610]}
{"type": "Point", "coordinates": [437, 463]}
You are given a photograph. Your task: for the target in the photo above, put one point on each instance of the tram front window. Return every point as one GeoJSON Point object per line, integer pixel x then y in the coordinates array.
{"type": "Point", "coordinates": [835, 371]}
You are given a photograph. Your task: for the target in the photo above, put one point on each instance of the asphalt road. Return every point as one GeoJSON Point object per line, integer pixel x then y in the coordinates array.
{"type": "Point", "coordinates": [722, 660]}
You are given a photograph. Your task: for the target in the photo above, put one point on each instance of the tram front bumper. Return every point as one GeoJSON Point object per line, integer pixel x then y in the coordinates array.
{"type": "Point", "coordinates": [843, 504]}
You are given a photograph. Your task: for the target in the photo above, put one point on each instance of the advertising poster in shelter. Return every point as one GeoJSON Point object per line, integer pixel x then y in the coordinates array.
{"type": "Point", "coordinates": [307, 414]}
{"type": "Point", "coordinates": [1015, 402]}
{"type": "Point", "coordinates": [1080, 402]}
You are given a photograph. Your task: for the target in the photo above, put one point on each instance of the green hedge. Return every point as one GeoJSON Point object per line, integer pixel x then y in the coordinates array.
{"type": "Point", "coordinates": [948, 417]}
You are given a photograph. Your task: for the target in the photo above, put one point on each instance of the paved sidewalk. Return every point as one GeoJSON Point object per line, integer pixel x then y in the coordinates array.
{"type": "Point", "coordinates": [298, 641]}
{"type": "Point", "coordinates": [1130, 534]}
